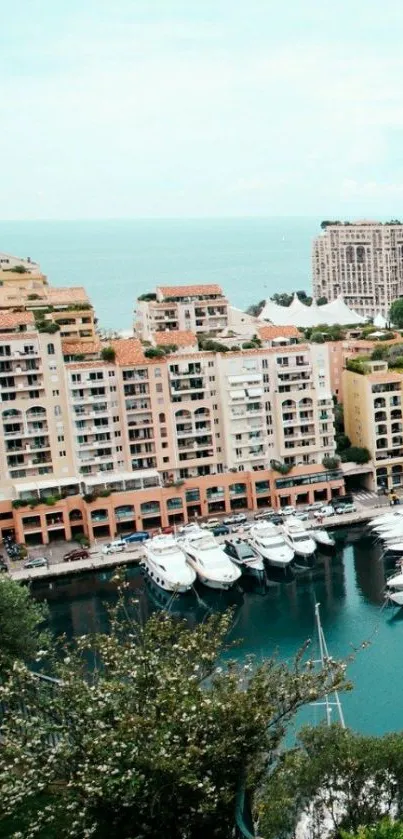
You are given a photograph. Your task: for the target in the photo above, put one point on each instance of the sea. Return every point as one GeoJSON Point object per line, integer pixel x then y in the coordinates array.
{"type": "Point", "coordinates": [116, 260]}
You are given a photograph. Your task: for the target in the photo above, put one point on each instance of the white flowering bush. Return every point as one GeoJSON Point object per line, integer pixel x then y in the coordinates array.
{"type": "Point", "coordinates": [151, 740]}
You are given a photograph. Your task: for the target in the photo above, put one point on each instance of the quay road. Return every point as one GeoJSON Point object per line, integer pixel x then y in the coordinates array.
{"type": "Point", "coordinates": [367, 505]}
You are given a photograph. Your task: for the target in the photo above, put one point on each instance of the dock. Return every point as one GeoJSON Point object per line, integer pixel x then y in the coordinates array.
{"type": "Point", "coordinates": [96, 562]}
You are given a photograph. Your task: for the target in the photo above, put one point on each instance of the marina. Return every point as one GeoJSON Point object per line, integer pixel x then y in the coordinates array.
{"type": "Point", "coordinates": [348, 582]}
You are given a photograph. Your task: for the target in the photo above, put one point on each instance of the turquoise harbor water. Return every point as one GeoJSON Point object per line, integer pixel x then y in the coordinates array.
{"type": "Point", "coordinates": [349, 587]}
{"type": "Point", "coordinates": [117, 260]}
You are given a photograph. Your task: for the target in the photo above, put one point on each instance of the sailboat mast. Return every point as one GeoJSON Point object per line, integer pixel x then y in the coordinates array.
{"type": "Point", "coordinates": [324, 658]}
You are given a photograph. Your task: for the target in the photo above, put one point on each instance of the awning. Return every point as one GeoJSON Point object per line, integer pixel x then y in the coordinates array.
{"type": "Point", "coordinates": [255, 391]}
{"type": "Point", "coordinates": [237, 394]}
{"type": "Point", "coordinates": [244, 377]}
{"type": "Point", "coordinates": [111, 477]}
{"type": "Point", "coordinates": [51, 483]}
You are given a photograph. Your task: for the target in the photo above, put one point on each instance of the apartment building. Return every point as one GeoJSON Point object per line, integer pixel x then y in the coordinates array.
{"type": "Point", "coordinates": [198, 308]}
{"type": "Point", "coordinates": [35, 439]}
{"type": "Point", "coordinates": [106, 442]}
{"type": "Point", "coordinates": [15, 269]}
{"type": "Point", "coordinates": [69, 308]}
{"type": "Point", "coordinates": [363, 262]}
{"type": "Point", "coordinates": [373, 419]}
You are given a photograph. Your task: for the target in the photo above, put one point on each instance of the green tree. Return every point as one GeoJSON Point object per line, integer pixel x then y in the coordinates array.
{"type": "Point", "coordinates": [335, 778]}
{"type": "Point", "coordinates": [343, 442]}
{"type": "Point", "coordinates": [356, 454]}
{"type": "Point", "coordinates": [321, 301]}
{"type": "Point", "coordinates": [21, 623]}
{"type": "Point", "coordinates": [155, 741]}
{"type": "Point", "coordinates": [256, 308]}
{"type": "Point", "coordinates": [108, 354]}
{"type": "Point", "coordinates": [396, 313]}
{"type": "Point", "coordinates": [386, 829]}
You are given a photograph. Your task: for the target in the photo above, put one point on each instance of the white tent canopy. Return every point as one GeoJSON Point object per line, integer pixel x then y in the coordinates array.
{"type": "Point", "coordinates": [379, 321]}
{"type": "Point", "coordinates": [298, 314]}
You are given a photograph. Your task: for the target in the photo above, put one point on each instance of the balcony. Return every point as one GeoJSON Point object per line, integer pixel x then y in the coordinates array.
{"type": "Point", "coordinates": [125, 512]}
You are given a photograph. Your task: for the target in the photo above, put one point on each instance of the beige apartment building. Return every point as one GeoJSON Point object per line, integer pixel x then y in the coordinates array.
{"type": "Point", "coordinates": [102, 442]}
{"type": "Point", "coordinates": [362, 262]}
{"type": "Point", "coordinates": [373, 419]}
{"type": "Point", "coordinates": [198, 308]}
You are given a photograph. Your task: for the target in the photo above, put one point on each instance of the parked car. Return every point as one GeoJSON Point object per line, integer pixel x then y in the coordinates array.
{"type": "Point", "coordinates": [324, 512]}
{"type": "Point", "coordinates": [221, 530]}
{"type": "Point", "coordinates": [289, 510]}
{"type": "Point", "coordinates": [211, 523]}
{"type": "Point", "coordinates": [230, 520]}
{"type": "Point", "coordinates": [345, 508]}
{"type": "Point", "coordinates": [76, 553]}
{"type": "Point", "coordinates": [138, 536]}
{"type": "Point", "coordinates": [266, 514]}
{"type": "Point", "coordinates": [276, 519]}
{"type": "Point", "coordinates": [168, 530]}
{"type": "Point", "coordinates": [36, 562]}
{"type": "Point", "coordinates": [301, 515]}
{"type": "Point", "coordinates": [239, 518]}
{"type": "Point", "coordinates": [114, 547]}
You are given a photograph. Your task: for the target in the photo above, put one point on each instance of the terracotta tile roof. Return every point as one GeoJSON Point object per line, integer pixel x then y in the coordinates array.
{"type": "Point", "coordinates": [8, 320]}
{"type": "Point", "coordinates": [19, 336]}
{"type": "Point", "coordinates": [78, 348]}
{"type": "Point", "coordinates": [267, 333]}
{"type": "Point", "coordinates": [189, 290]}
{"type": "Point", "coordinates": [180, 338]}
{"type": "Point", "coordinates": [128, 351]}
{"type": "Point", "coordinates": [75, 294]}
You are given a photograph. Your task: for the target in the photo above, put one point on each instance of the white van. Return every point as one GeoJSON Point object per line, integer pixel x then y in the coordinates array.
{"type": "Point", "coordinates": [114, 547]}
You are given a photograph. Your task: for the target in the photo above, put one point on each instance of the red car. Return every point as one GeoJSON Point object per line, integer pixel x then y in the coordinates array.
{"type": "Point", "coordinates": [77, 553]}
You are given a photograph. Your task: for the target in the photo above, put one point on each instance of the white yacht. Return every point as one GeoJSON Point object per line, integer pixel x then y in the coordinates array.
{"type": "Point", "coordinates": [396, 581]}
{"type": "Point", "coordinates": [393, 534]}
{"type": "Point", "coordinates": [209, 560]}
{"type": "Point", "coordinates": [385, 519]}
{"type": "Point", "coordinates": [298, 538]}
{"type": "Point", "coordinates": [269, 542]}
{"type": "Point", "coordinates": [165, 563]}
{"type": "Point", "coordinates": [323, 539]}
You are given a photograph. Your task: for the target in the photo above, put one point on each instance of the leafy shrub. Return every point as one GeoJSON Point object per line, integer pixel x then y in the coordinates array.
{"type": "Point", "coordinates": [108, 354]}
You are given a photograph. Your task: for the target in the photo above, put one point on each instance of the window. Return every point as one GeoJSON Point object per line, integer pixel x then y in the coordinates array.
{"type": "Point", "coordinates": [165, 445]}
{"type": "Point", "coordinates": [51, 349]}
{"type": "Point", "coordinates": [115, 419]}
{"type": "Point", "coordinates": [117, 433]}
{"type": "Point", "coordinates": [165, 459]}
{"type": "Point", "coordinates": [76, 377]}
{"type": "Point", "coordinates": [55, 393]}
{"type": "Point", "coordinates": [161, 418]}
{"type": "Point", "coordinates": [60, 438]}
{"type": "Point", "coordinates": [58, 411]}
{"type": "Point", "coordinates": [159, 387]}
{"type": "Point", "coordinates": [111, 373]}
{"type": "Point", "coordinates": [112, 388]}
{"type": "Point", "coordinates": [62, 454]}
{"type": "Point", "coordinates": [157, 372]}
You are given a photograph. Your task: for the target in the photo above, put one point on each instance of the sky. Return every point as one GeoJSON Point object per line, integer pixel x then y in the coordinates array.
{"type": "Point", "coordinates": [188, 108]}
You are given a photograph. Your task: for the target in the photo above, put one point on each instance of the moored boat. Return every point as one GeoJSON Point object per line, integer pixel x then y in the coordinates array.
{"type": "Point", "coordinates": [208, 559]}
{"type": "Point", "coordinates": [270, 544]}
{"type": "Point", "coordinates": [298, 538]}
{"type": "Point", "coordinates": [323, 539]}
{"type": "Point", "coordinates": [165, 563]}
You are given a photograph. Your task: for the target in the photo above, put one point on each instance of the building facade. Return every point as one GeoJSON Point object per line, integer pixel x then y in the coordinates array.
{"type": "Point", "coordinates": [362, 262]}
{"type": "Point", "coordinates": [198, 308]}
{"type": "Point", "coordinates": [373, 419]}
